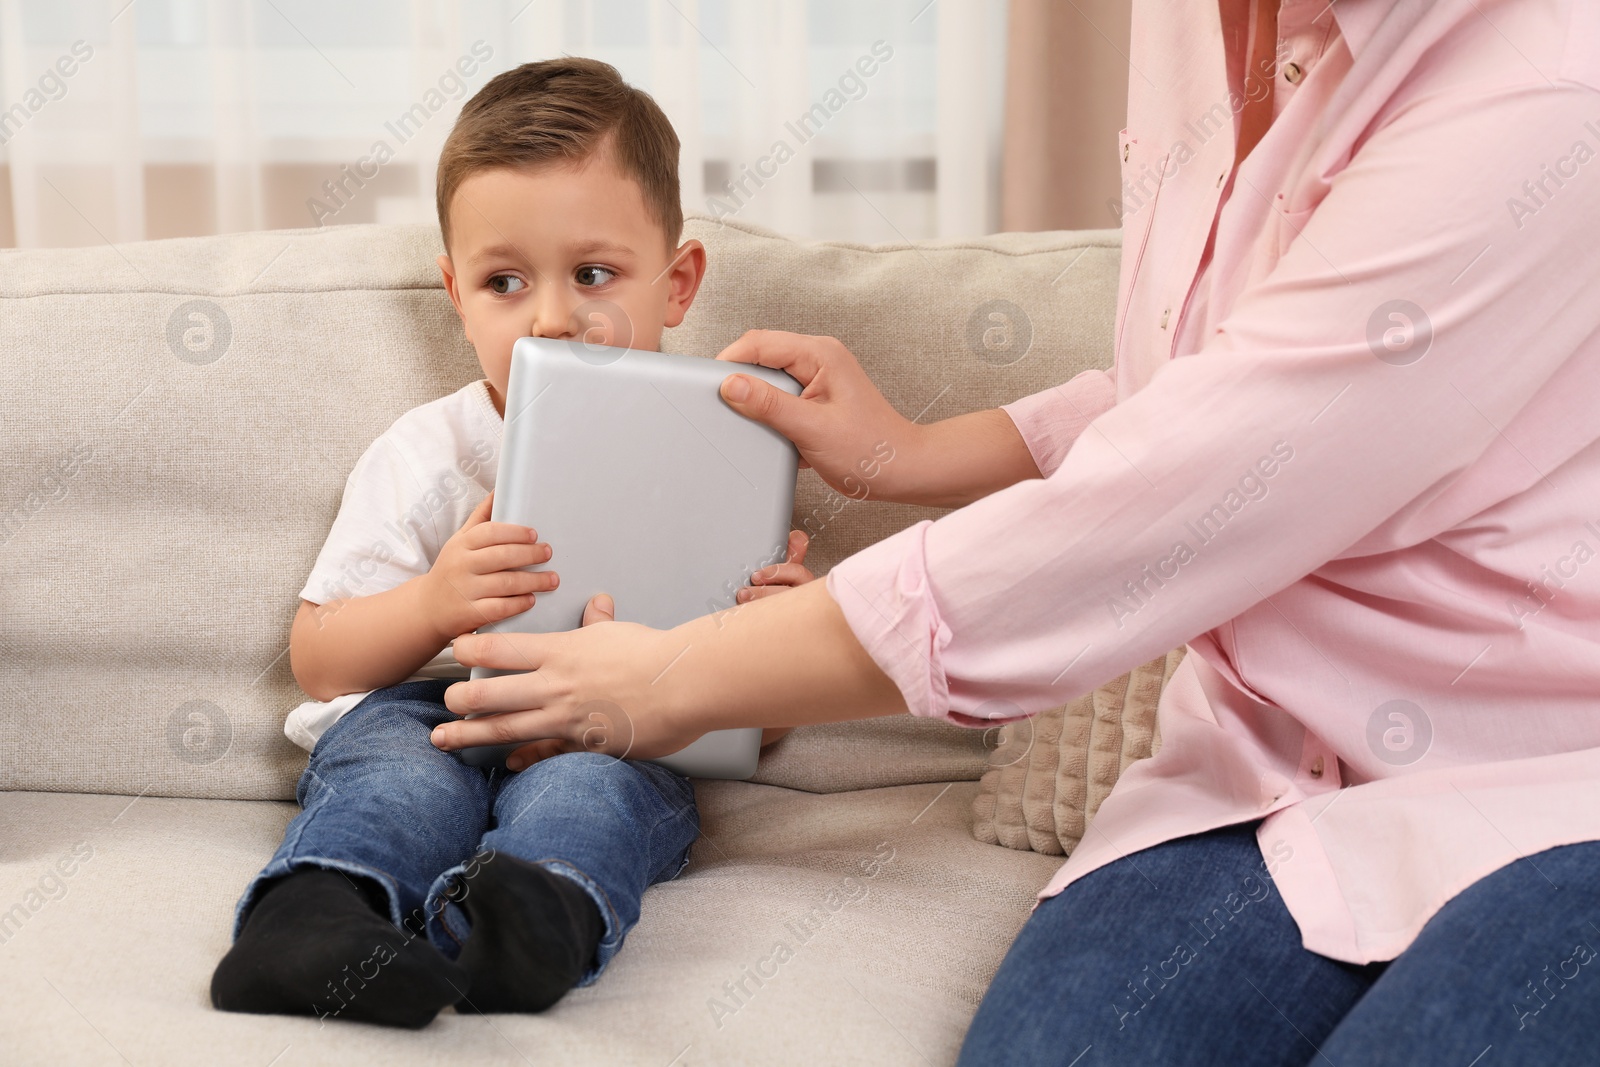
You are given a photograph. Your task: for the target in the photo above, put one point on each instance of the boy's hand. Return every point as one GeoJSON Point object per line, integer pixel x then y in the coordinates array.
{"type": "Point", "coordinates": [780, 576]}
{"type": "Point", "coordinates": [476, 580]}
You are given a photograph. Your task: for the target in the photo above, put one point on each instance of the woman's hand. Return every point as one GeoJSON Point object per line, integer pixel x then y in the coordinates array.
{"type": "Point", "coordinates": [552, 705]}
{"type": "Point", "coordinates": [841, 423]}
{"type": "Point", "coordinates": [858, 442]}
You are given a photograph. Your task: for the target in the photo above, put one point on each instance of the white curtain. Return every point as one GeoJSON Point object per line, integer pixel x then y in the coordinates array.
{"type": "Point", "coordinates": [844, 119]}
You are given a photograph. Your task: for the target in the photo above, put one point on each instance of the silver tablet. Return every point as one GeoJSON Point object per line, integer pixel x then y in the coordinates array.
{"type": "Point", "coordinates": [647, 486]}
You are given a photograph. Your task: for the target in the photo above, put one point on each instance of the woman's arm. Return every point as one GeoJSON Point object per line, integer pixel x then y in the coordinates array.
{"type": "Point", "coordinates": [958, 460]}
{"type": "Point", "coordinates": [785, 660]}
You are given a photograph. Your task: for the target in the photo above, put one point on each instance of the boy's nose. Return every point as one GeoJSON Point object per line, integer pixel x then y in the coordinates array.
{"type": "Point", "coordinates": [554, 325]}
{"type": "Point", "coordinates": [552, 318]}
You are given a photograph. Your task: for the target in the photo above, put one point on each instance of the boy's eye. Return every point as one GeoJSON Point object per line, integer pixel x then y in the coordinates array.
{"type": "Point", "coordinates": [506, 283]}
{"type": "Point", "coordinates": [589, 276]}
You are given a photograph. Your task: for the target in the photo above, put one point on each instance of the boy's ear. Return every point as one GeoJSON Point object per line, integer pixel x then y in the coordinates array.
{"type": "Point", "coordinates": [683, 279]}
{"type": "Point", "coordinates": [447, 269]}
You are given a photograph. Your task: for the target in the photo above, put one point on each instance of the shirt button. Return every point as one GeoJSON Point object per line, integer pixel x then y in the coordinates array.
{"type": "Point", "coordinates": [1124, 153]}
{"type": "Point", "coordinates": [1293, 73]}
{"type": "Point", "coordinates": [1220, 178]}
{"type": "Point", "coordinates": [1273, 788]}
{"type": "Point", "coordinates": [1316, 767]}
{"type": "Point", "coordinates": [1164, 316]}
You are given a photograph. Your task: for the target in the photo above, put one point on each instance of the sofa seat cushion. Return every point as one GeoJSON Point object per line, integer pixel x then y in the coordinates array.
{"type": "Point", "coordinates": [808, 928]}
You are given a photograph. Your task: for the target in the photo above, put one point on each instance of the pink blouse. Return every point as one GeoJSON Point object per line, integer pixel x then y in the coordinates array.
{"type": "Point", "coordinates": [1349, 454]}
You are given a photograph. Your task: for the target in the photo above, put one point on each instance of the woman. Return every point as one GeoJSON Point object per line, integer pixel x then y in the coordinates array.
{"type": "Point", "coordinates": [1348, 455]}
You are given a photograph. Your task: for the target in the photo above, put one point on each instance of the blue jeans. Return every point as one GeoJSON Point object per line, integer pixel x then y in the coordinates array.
{"type": "Point", "coordinates": [379, 800]}
{"type": "Point", "coordinates": [1185, 954]}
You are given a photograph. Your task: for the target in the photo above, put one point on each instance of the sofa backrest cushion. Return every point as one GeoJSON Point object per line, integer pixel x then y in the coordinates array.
{"type": "Point", "coordinates": [181, 415]}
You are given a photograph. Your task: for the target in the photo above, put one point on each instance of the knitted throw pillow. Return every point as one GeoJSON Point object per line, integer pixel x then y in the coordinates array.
{"type": "Point", "coordinates": [1047, 775]}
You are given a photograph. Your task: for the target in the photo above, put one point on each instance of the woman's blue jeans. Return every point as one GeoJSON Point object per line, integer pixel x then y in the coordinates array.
{"type": "Point", "coordinates": [1185, 954]}
{"type": "Point", "coordinates": [379, 800]}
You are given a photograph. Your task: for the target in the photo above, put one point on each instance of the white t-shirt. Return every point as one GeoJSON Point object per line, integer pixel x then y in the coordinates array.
{"type": "Point", "coordinates": [409, 493]}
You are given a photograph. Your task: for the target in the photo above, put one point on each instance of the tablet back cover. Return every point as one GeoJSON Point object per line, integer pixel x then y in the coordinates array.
{"type": "Point", "coordinates": [643, 481]}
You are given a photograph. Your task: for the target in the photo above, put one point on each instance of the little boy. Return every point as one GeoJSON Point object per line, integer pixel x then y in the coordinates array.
{"type": "Point", "coordinates": [558, 203]}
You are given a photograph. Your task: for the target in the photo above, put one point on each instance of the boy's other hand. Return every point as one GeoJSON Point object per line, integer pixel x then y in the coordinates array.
{"type": "Point", "coordinates": [477, 578]}
{"type": "Point", "coordinates": [780, 576]}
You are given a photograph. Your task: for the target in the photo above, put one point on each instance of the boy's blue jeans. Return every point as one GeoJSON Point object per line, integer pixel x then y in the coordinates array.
{"type": "Point", "coordinates": [379, 800]}
{"type": "Point", "coordinates": [1184, 953]}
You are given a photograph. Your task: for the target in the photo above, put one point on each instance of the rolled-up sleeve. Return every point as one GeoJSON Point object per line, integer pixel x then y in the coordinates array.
{"type": "Point", "coordinates": [1296, 430]}
{"type": "Point", "coordinates": [1051, 420]}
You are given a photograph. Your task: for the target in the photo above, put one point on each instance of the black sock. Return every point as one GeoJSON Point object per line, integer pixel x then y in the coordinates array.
{"type": "Point", "coordinates": [534, 934]}
{"type": "Point", "coordinates": [317, 943]}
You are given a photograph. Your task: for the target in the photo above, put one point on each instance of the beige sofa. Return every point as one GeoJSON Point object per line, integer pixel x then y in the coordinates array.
{"type": "Point", "coordinates": [180, 417]}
